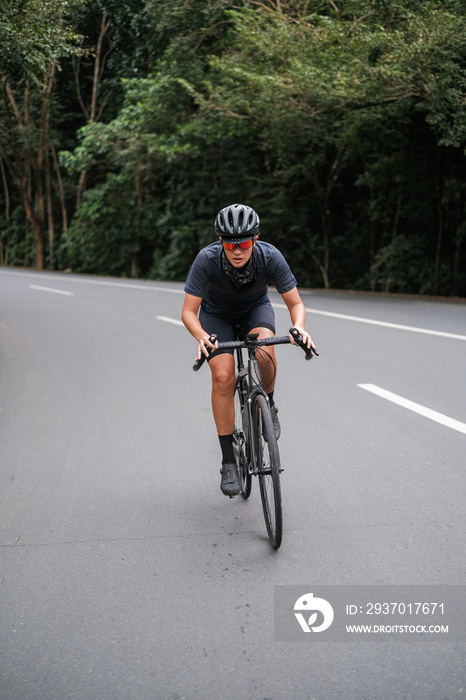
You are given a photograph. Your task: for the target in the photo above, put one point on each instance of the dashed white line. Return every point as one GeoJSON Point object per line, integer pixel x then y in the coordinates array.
{"type": "Point", "coordinates": [51, 290]}
{"type": "Point", "coordinates": [104, 283]}
{"type": "Point", "coordinates": [170, 320]}
{"type": "Point", "coordinates": [416, 407]}
{"type": "Point", "coordinates": [99, 282]}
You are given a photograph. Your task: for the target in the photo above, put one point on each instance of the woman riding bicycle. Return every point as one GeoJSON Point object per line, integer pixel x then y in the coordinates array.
{"type": "Point", "coordinates": [226, 288]}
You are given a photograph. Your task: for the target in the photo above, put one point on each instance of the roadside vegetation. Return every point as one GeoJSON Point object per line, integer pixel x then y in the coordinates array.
{"type": "Point", "coordinates": [125, 125]}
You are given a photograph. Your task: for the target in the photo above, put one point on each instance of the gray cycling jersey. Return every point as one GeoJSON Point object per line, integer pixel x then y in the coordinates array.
{"type": "Point", "coordinates": [207, 279]}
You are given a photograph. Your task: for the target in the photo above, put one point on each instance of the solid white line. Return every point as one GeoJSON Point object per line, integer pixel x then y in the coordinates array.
{"type": "Point", "coordinates": [386, 324]}
{"type": "Point", "coordinates": [416, 407]}
{"type": "Point", "coordinates": [170, 320]}
{"type": "Point", "coordinates": [53, 291]}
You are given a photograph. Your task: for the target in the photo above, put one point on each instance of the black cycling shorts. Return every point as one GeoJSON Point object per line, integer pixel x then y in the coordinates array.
{"type": "Point", "coordinates": [261, 316]}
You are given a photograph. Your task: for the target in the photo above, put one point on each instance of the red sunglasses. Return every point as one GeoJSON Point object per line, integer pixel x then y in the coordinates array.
{"type": "Point", "coordinates": [244, 245]}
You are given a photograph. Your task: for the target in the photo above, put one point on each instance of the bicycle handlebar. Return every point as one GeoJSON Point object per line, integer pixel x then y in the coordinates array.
{"type": "Point", "coordinates": [258, 343]}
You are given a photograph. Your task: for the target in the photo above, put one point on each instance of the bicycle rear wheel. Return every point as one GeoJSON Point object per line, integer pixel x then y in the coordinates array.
{"type": "Point", "coordinates": [240, 438]}
{"type": "Point", "coordinates": [268, 465]}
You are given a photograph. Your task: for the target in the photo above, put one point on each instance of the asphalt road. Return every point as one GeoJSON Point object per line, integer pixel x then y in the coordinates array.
{"type": "Point", "coordinates": [125, 574]}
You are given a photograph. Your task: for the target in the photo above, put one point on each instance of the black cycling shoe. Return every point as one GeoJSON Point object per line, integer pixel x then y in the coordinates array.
{"type": "Point", "coordinates": [230, 483]}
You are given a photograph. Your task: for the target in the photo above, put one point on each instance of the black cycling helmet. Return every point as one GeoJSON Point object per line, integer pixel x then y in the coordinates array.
{"type": "Point", "coordinates": [237, 223]}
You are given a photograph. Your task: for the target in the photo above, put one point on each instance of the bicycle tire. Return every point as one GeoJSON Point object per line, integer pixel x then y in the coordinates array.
{"type": "Point", "coordinates": [268, 467]}
{"type": "Point", "coordinates": [240, 438]}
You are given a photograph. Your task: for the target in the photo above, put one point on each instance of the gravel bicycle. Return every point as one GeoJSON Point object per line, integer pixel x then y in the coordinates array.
{"type": "Point", "coordinates": [254, 440]}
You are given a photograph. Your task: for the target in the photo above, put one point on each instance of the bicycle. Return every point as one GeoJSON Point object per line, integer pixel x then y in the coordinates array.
{"type": "Point", "coordinates": [254, 440]}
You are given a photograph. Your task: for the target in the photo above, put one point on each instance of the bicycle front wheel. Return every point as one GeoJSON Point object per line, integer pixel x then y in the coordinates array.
{"type": "Point", "coordinates": [268, 468]}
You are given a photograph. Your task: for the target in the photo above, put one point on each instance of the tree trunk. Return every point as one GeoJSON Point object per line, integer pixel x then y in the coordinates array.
{"type": "Point", "coordinates": [50, 221]}
{"type": "Point", "coordinates": [137, 223]}
{"type": "Point", "coordinates": [44, 156]}
{"type": "Point", "coordinates": [30, 208]}
{"type": "Point", "coordinates": [61, 191]}
{"type": "Point", "coordinates": [81, 187]}
{"type": "Point", "coordinates": [94, 112]}
{"type": "Point", "coordinates": [388, 281]}
{"type": "Point", "coordinates": [28, 160]}
{"type": "Point", "coordinates": [3, 243]}
{"type": "Point", "coordinates": [323, 196]}
{"type": "Point", "coordinates": [438, 249]}
{"type": "Point", "coordinates": [460, 234]}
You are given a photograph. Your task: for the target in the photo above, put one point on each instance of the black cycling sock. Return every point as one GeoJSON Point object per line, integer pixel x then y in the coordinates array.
{"type": "Point", "coordinates": [271, 401]}
{"type": "Point", "coordinates": [226, 443]}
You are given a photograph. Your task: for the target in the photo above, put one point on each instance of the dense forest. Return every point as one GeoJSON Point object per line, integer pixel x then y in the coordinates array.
{"type": "Point", "coordinates": [125, 125]}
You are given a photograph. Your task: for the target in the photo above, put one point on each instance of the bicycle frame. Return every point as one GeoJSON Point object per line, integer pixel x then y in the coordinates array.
{"type": "Point", "coordinates": [252, 371]}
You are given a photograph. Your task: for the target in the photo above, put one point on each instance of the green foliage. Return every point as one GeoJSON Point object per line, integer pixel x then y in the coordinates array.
{"type": "Point", "coordinates": [103, 237]}
{"type": "Point", "coordinates": [326, 87]}
{"type": "Point", "coordinates": [15, 240]}
{"type": "Point", "coordinates": [342, 123]}
{"type": "Point", "coordinates": [34, 34]}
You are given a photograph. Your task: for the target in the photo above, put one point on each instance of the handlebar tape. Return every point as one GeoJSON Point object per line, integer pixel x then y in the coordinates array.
{"type": "Point", "coordinates": [299, 340]}
{"type": "Point", "coordinates": [198, 363]}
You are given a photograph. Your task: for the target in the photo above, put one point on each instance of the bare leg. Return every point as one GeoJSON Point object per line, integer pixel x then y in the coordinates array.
{"type": "Point", "coordinates": [223, 408]}
{"type": "Point", "coordinates": [267, 365]}
{"type": "Point", "coordinates": [223, 386]}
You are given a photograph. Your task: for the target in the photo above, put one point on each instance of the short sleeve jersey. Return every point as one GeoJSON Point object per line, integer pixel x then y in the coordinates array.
{"type": "Point", "coordinates": [207, 279]}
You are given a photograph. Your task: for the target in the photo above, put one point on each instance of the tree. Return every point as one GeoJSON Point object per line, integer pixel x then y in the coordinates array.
{"type": "Point", "coordinates": [31, 51]}
{"type": "Point", "coordinates": [114, 46]}
{"type": "Point", "coordinates": [311, 76]}
{"type": "Point", "coordinates": [153, 143]}
{"type": "Point", "coordinates": [33, 35]}
{"type": "Point", "coordinates": [343, 123]}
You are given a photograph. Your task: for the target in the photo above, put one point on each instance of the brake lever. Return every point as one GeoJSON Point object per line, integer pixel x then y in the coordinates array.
{"type": "Point", "coordinates": [299, 339]}
{"type": "Point", "coordinates": [198, 363]}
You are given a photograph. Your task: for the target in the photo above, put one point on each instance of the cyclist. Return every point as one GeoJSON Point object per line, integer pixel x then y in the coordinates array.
{"type": "Point", "coordinates": [227, 286]}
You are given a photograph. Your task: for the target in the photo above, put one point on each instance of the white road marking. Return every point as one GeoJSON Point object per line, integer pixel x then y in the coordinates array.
{"type": "Point", "coordinates": [124, 285]}
{"type": "Point", "coordinates": [120, 285]}
{"type": "Point", "coordinates": [100, 282]}
{"type": "Point", "coordinates": [331, 314]}
{"type": "Point", "coordinates": [416, 407]}
{"type": "Point", "coordinates": [386, 324]}
{"type": "Point", "coordinates": [170, 320]}
{"type": "Point", "coordinates": [52, 290]}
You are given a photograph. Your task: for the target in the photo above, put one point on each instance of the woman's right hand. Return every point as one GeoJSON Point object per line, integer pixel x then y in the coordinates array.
{"type": "Point", "coordinates": [206, 345]}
